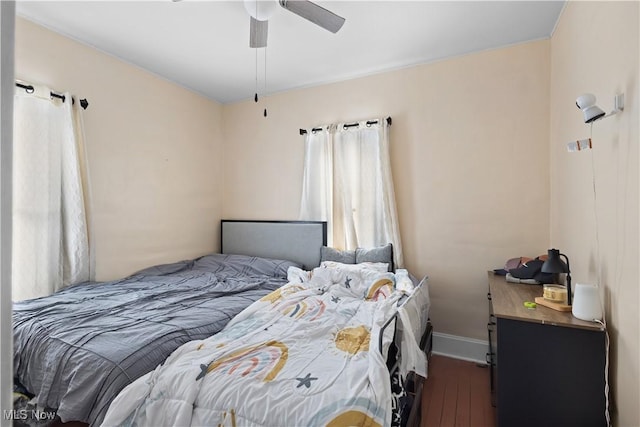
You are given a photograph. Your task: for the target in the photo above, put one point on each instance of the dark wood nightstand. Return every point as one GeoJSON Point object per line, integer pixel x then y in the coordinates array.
{"type": "Point", "coordinates": [548, 368]}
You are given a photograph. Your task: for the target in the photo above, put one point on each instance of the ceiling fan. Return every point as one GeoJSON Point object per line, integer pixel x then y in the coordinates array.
{"type": "Point", "coordinates": [261, 11]}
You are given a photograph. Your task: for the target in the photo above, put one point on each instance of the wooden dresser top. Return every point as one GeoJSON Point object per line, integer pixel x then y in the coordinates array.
{"type": "Point", "coordinates": [508, 302]}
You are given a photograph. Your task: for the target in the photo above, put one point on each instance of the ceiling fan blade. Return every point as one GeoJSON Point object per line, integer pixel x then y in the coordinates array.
{"type": "Point", "coordinates": [258, 33]}
{"type": "Point", "coordinates": [314, 13]}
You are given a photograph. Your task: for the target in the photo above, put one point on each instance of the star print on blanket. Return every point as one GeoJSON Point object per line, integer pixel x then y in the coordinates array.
{"type": "Point", "coordinates": [306, 381]}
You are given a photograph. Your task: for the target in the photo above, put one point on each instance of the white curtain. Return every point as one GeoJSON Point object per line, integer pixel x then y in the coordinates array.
{"type": "Point", "coordinates": [347, 182]}
{"type": "Point", "coordinates": [317, 181]}
{"type": "Point", "coordinates": [50, 228]}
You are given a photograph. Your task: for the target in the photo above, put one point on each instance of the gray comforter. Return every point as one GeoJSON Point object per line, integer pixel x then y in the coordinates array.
{"type": "Point", "coordinates": [76, 349]}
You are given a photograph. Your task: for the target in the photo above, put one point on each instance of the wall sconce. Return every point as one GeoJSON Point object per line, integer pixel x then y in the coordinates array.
{"type": "Point", "coordinates": [555, 265]}
{"type": "Point", "coordinates": [587, 104]}
{"type": "Point", "coordinates": [591, 112]}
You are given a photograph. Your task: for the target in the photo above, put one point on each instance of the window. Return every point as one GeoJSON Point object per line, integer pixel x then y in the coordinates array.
{"type": "Point", "coordinates": [347, 182]}
{"type": "Point", "coordinates": [50, 234]}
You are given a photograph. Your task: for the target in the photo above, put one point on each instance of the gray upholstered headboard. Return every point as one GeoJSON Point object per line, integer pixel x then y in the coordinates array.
{"type": "Point", "coordinates": [298, 241]}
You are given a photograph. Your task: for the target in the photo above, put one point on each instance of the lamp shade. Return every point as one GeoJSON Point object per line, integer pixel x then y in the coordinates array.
{"type": "Point", "coordinates": [554, 264]}
{"type": "Point", "coordinates": [593, 113]}
{"type": "Point", "coordinates": [262, 10]}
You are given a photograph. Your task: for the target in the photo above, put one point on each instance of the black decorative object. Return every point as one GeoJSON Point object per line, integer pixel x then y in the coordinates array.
{"type": "Point", "coordinates": [555, 265]}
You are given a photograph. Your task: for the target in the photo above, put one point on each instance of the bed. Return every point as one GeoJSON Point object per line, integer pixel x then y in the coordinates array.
{"type": "Point", "coordinates": [313, 352]}
{"type": "Point", "coordinates": [77, 349]}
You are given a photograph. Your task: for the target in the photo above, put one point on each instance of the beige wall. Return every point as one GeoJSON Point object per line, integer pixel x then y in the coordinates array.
{"type": "Point", "coordinates": [469, 148]}
{"type": "Point", "coordinates": [478, 152]}
{"type": "Point", "coordinates": [154, 153]}
{"type": "Point", "coordinates": [595, 49]}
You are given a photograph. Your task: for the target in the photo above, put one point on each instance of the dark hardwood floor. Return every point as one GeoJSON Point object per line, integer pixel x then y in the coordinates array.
{"type": "Point", "coordinates": [456, 394]}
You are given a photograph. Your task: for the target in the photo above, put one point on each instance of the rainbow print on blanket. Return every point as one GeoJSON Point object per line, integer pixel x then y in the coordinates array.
{"type": "Point", "coordinates": [263, 361]}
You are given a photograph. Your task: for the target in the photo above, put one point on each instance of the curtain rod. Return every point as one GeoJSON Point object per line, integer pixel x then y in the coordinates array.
{"type": "Point", "coordinates": [346, 126]}
{"type": "Point", "coordinates": [30, 89]}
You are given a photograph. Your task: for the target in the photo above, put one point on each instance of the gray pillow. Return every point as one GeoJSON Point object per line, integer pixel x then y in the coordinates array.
{"type": "Point", "coordinates": [332, 254]}
{"type": "Point", "coordinates": [379, 254]}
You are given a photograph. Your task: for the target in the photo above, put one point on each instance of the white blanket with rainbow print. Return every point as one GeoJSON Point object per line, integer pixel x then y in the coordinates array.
{"type": "Point", "coordinates": [304, 355]}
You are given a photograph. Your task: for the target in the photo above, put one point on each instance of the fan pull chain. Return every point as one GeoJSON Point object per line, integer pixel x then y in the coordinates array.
{"type": "Point", "coordinates": [265, 77]}
{"type": "Point", "coordinates": [255, 98]}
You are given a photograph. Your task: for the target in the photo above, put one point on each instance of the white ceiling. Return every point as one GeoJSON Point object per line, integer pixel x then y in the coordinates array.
{"type": "Point", "coordinates": [204, 45]}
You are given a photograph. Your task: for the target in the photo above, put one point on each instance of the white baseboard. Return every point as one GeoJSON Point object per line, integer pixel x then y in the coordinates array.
{"type": "Point", "coordinates": [460, 347]}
